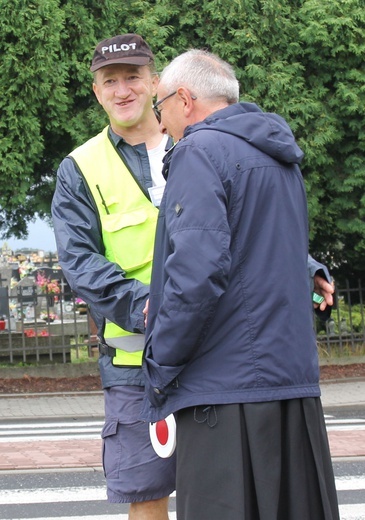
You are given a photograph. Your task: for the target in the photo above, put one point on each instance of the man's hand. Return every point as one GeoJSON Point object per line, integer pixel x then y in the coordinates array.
{"type": "Point", "coordinates": [145, 312]}
{"type": "Point", "coordinates": [322, 287]}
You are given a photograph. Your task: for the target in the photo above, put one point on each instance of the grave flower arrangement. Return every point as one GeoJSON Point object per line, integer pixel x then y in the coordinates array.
{"type": "Point", "coordinates": [48, 316]}
{"type": "Point", "coordinates": [47, 285]}
{"type": "Point", "coordinates": [31, 333]}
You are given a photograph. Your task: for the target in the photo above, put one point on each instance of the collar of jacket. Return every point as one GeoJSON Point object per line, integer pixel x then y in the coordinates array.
{"type": "Point", "coordinates": [167, 160]}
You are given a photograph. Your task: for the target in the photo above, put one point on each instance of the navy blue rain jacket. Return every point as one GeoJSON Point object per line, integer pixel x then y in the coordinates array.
{"type": "Point", "coordinates": [230, 315]}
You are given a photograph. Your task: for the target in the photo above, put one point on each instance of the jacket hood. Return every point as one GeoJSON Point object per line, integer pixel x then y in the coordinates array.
{"type": "Point", "coordinates": [267, 132]}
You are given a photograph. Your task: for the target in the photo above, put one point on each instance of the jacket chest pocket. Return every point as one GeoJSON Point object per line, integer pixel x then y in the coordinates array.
{"type": "Point", "coordinates": [129, 237]}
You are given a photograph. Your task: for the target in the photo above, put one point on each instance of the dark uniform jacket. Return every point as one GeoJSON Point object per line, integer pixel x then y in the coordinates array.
{"type": "Point", "coordinates": [230, 317]}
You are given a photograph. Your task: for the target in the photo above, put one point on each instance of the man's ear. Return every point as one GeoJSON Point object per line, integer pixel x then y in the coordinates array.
{"type": "Point", "coordinates": [186, 98]}
{"type": "Point", "coordinates": [96, 91]}
{"type": "Point", "coordinates": [155, 82]}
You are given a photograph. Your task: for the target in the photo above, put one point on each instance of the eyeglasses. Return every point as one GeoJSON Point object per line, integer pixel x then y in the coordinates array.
{"type": "Point", "coordinates": [156, 105]}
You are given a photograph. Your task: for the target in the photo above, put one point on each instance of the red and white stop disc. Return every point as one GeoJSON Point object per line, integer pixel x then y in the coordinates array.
{"type": "Point", "coordinates": [163, 436]}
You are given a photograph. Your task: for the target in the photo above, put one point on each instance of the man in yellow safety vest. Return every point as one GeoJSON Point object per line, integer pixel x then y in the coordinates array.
{"type": "Point", "coordinates": [104, 212]}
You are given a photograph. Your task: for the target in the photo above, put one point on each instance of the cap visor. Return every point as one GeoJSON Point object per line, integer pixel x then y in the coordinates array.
{"type": "Point", "coordinates": [138, 60]}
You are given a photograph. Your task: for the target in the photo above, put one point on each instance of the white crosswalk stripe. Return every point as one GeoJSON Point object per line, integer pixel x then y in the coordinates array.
{"type": "Point", "coordinates": [92, 494]}
{"type": "Point", "coordinates": [91, 429]}
{"type": "Point", "coordinates": [122, 516]}
{"type": "Point", "coordinates": [350, 483]}
{"type": "Point", "coordinates": [347, 512]}
{"type": "Point", "coordinates": [81, 494]}
{"type": "Point", "coordinates": [44, 495]}
{"type": "Point", "coordinates": [55, 430]}
{"type": "Point", "coordinates": [334, 424]}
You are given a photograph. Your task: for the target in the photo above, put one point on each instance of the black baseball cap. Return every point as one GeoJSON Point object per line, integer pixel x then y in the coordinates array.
{"type": "Point", "coordinates": [124, 48]}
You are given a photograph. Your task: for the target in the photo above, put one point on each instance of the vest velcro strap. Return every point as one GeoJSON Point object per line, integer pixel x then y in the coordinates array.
{"type": "Point", "coordinates": [121, 358]}
{"type": "Point", "coordinates": [106, 350]}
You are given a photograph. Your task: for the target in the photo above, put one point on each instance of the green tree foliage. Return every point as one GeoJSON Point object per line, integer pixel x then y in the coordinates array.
{"type": "Point", "coordinates": [301, 58]}
{"type": "Point", "coordinates": [32, 102]}
{"type": "Point", "coordinates": [334, 138]}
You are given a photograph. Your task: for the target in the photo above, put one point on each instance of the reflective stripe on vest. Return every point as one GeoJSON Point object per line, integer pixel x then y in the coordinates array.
{"type": "Point", "coordinates": [129, 343]}
{"type": "Point", "coordinates": [128, 225]}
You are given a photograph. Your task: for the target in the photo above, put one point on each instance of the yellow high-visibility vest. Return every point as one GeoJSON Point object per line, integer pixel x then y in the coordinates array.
{"type": "Point", "coordinates": [128, 222]}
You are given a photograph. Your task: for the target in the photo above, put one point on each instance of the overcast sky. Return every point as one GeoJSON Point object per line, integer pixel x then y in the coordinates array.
{"type": "Point", "coordinates": [40, 236]}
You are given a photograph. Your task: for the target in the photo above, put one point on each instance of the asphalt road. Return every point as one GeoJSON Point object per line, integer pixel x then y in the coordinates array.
{"type": "Point", "coordinates": [80, 495]}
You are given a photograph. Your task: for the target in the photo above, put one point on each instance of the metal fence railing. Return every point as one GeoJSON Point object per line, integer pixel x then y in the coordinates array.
{"type": "Point", "coordinates": [344, 332]}
{"type": "Point", "coordinates": [41, 327]}
{"type": "Point", "coordinates": [38, 327]}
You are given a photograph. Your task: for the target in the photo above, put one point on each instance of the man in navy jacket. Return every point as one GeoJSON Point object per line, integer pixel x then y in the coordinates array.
{"type": "Point", "coordinates": [230, 348]}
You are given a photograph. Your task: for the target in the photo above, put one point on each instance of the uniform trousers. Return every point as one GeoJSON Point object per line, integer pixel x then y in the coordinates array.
{"type": "Point", "coordinates": [133, 471]}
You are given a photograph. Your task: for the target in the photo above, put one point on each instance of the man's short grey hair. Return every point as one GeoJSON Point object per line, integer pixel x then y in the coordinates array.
{"type": "Point", "coordinates": [204, 74]}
